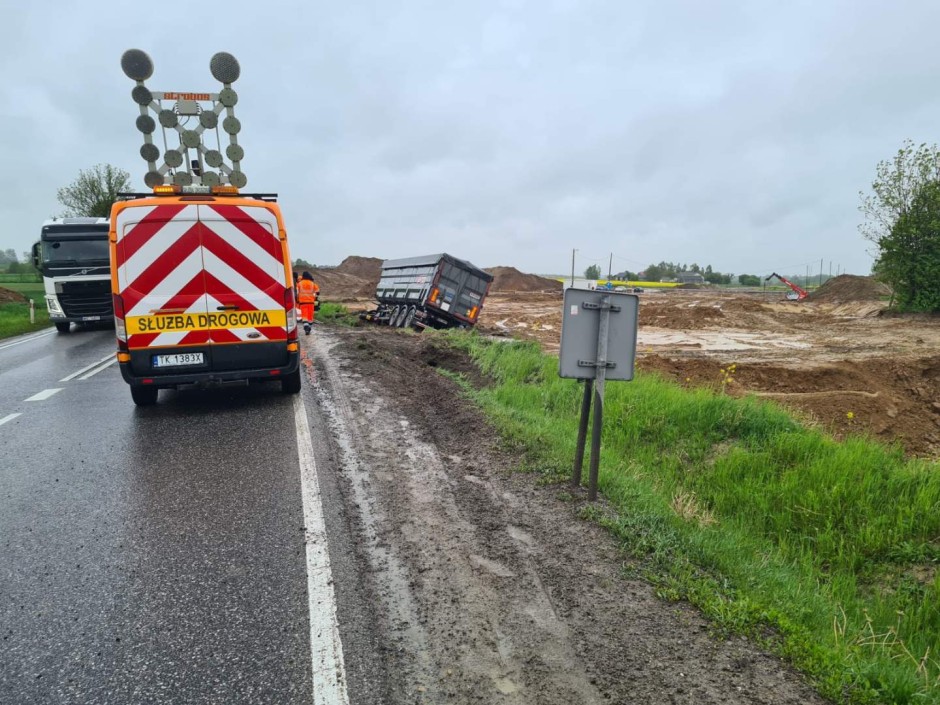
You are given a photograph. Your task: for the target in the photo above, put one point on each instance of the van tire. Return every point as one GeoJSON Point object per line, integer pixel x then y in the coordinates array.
{"type": "Point", "coordinates": [144, 396]}
{"type": "Point", "coordinates": [291, 383]}
{"type": "Point", "coordinates": [63, 326]}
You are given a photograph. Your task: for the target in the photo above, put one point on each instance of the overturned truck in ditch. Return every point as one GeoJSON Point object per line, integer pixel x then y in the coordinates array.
{"type": "Point", "coordinates": [434, 291]}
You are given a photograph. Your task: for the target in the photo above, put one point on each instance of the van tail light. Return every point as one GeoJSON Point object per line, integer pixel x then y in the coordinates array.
{"type": "Point", "coordinates": [120, 328]}
{"type": "Point", "coordinates": [290, 308]}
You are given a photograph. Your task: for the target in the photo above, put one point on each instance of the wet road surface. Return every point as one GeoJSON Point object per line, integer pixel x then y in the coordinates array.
{"type": "Point", "coordinates": [146, 555]}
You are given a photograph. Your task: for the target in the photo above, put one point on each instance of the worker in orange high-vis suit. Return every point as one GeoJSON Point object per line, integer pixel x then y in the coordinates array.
{"type": "Point", "coordinates": [307, 293]}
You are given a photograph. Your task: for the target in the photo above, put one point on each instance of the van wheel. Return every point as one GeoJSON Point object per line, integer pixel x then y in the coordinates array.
{"type": "Point", "coordinates": [291, 383]}
{"type": "Point", "coordinates": [144, 396]}
{"type": "Point", "coordinates": [63, 326]}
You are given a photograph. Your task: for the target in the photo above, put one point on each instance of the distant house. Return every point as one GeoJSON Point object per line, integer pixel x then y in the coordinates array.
{"type": "Point", "coordinates": [690, 278]}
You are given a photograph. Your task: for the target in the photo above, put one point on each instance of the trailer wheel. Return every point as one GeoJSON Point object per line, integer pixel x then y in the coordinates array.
{"type": "Point", "coordinates": [62, 326]}
{"type": "Point", "coordinates": [393, 317]}
{"type": "Point", "coordinates": [291, 383]}
{"type": "Point", "coordinates": [144, 396]}
{"type": "Point", "coordinates": [409, 318]}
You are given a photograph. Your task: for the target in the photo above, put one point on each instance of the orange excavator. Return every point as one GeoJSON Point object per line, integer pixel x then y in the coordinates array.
{"type": "Point", "coordinates": [798, 294]}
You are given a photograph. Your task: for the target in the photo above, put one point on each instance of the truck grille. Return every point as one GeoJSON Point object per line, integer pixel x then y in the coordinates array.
{"type": "Point", "coordinates": [80, 299]}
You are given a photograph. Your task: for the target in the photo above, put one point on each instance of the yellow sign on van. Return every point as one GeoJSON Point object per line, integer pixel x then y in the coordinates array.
{"type": "Point", "coordinates": [176, 322]}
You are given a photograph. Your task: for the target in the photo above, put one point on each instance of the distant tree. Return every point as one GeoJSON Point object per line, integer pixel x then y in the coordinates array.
{"type": "Point", "coordinates": [592, 272]}
{"type": "Point", "coordinates": [15, 268]}
{"type": "Point", "coordinates": [717, 278]}
{"type": "Point", "coordinates": [7, 256]}
{"type": "Point", "coordinates": [748, 280]}
{"type": "Point", "coordinates": [302, 264]}
{"type": "Point", "coordinates": [94, 191]}
{"type": "Point", "coordinates": [902, 218]}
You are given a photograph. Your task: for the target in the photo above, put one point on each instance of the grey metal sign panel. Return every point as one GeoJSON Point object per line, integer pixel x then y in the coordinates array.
{"type": "Point", "coordinates": [580, 321]}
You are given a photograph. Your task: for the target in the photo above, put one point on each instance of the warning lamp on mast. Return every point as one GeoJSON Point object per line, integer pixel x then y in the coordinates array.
{"type": "Point", "coordinates": [184, 122]}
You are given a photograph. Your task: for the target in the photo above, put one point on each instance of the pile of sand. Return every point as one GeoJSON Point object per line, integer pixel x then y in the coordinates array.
{"type": "Point", "coordinates": [366, 267]}
{"type": "Point", "coordinates": [849, 287]}
{"type": "Point", "coordinates": [355, 278]}
{"type": "Point", "coordinates": [511, 279]}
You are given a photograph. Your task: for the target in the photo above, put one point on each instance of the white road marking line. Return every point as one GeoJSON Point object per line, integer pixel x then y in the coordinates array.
{"type": "Point", "coordinates": [27, 340]}
{"type": "Point", "coordinates": [102, 366]}
{"type": "Point", "coordinates": [326, 649]}
{"type": "Point", "coordinates": [8, 418]}
{"type": "Point", "coordinates": [44, 394]}
{"type": "Point", "coordinates": [109, 356]}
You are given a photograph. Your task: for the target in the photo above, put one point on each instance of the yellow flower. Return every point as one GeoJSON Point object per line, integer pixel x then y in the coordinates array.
{"type": "Point", "coordinates": [850, 415]}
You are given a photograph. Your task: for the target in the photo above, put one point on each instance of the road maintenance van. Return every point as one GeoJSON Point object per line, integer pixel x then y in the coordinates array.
{"type": "Point", "coordinates": [200, 273]}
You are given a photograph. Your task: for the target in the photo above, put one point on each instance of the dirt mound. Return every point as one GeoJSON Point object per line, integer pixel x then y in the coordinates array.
{"type": "Point", "coordinates": [340, 286]}
{"type": "Point", "coordinates": [9, 296]}
{"type": "Point", "coordinates": [511, 279]}
{"type": "Point", "coordinates": [849, 287]}
{"type": "Point", "coordinates": [683, 315]}
{"type": "Point", "coordinates": [355, 278]}
{"type": "Point", "coordinates": [365, 267]}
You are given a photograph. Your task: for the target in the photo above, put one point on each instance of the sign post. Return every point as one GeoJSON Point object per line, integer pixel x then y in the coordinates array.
{"type": "Point", "coordinates": [598, 343]}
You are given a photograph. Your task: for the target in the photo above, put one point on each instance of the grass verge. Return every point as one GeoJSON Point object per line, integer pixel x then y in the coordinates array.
{"type": "Point", "coordinates": [824, 552]}
{"type": "Point", "coordinates": [14, 316]}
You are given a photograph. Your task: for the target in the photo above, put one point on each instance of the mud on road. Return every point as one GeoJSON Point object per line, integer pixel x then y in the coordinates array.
{"type": "Point", "coordinates": [485, 585]}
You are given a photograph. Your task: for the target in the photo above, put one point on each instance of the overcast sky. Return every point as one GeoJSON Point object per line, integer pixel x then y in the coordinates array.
{"type": "Point", "coordinates": [736, 134]}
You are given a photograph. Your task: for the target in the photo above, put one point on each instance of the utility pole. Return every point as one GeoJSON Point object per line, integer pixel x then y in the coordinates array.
{"type": "Point", "coordinates": [820, 271]}
{"type": "Point", "coordinates": [610, 265]}
{"type": "Point", "coordinates": [572, 266]}
{"type": "Point", "coordinates": [806, 281]}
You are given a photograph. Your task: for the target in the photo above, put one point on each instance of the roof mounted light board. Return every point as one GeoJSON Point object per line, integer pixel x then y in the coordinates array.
{"type": "Point", "coordinates": [190, 115]}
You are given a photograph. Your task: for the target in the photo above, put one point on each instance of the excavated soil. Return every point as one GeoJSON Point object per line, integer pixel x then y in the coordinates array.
{"type": "Point", "coordinates": [848, 287]}
{"type": "Point", "coordinates": [486, 585]}
{"type": "Point", "coordinates": [838, 358]}
{"type": "Point", "coordinates": [509, 279]}
{"type": "Point", "coordinates": [10, 296]}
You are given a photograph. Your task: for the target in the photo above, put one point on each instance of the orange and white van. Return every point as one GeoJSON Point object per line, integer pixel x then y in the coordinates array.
{"type": "Point", "coordinates": [203, 290]}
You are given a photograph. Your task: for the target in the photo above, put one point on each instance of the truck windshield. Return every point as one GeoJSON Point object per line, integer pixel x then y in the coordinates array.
{"type": "Point", "coordinates": [75, 250]}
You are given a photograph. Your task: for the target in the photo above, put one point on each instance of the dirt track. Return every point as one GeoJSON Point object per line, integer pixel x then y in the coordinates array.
{"type": "Point", "coordinates": [488, 588]}
{"type": "Point", "coordinates": [843, 364]}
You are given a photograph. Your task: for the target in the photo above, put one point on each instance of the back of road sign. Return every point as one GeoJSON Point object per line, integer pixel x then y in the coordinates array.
{"type": "Point", "coordinates": [580, 324]}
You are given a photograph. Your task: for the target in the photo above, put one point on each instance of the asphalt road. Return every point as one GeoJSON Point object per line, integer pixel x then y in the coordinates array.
{"type": "Point", "coordinates": [156, 555]}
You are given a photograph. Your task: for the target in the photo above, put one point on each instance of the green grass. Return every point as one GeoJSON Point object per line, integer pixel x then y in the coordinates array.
{"type": "Point", "coordinates": [825, 552]}
{"type": "Point", "coordinates": [336, 314]}
{"type": "Point", "coordinates": [14, 317]}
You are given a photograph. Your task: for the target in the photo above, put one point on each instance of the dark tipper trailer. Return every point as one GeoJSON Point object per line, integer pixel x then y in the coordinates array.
{"type": "Point", "coordinates": [434, 291]}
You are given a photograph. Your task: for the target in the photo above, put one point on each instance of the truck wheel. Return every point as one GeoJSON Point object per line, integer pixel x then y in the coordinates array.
{"type": "Point", "coordinates": [63, 326]}
{"type": "Point", "coordinates": [410, 318]}
{"type": "Point", "coordinates": [291, 383]}
{"type": "Point", "coordinates": [144, 396]}
{"type": "Point", "coordinates": [393, 317]}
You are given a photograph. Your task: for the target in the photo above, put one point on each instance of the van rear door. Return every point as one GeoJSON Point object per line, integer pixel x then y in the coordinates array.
{"type": "Point", "coordinates": [245, 275]}
{"type": "Point", "coordinates": [160, 276]}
